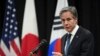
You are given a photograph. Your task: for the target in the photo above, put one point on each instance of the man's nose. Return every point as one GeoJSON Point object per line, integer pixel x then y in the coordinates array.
{"type": "Point", "coordinates": [66, 22]}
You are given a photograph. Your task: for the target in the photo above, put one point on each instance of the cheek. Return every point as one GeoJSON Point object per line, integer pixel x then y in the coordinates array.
{"type": "Point", "coordinates": [72, 24]}
{"type": "Point", "coordinates": [74, 21]}
{"type": "Point", "coordinates": [62, 23]}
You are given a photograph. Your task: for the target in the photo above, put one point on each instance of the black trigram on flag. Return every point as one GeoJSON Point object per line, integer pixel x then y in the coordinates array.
{"type": "Point", "coordinates": [57, 23]}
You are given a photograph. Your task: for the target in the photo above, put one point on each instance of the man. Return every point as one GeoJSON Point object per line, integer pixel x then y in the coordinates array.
{"type": "Point", "coordinates": [81, 42]}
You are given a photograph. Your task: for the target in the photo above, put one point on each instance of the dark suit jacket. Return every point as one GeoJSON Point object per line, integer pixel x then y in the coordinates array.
{"type": "Point", "coordinates": [81, 45]}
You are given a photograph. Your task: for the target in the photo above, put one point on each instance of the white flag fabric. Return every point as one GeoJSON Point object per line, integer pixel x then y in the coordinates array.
{"type": "Point", "coordinates": [30, 38]}
{"type": "Point", "coordinates": [57, 29]}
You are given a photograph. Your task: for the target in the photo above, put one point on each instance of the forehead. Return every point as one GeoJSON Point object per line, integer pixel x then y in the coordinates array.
{"type": "Point", "coordinates": [67, 14]}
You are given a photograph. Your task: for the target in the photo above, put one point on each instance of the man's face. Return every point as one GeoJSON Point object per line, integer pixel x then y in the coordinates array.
{"type": "Point", "coordinates": [68, 21]}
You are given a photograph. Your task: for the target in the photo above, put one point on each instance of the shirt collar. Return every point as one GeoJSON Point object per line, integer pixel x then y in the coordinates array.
{"type": "Point", "coordinates": [75, 30]}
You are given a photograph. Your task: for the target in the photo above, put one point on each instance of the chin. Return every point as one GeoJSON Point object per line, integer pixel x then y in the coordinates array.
{"type": "Point", "coordinates": [69, 30]}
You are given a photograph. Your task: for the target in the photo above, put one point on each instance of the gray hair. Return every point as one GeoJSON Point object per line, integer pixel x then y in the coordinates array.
{"type": "Point", "coordinates": [71, 9]}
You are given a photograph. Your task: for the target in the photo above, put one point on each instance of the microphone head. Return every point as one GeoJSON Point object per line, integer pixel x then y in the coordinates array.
{"type": "Point", "coordinates": [38, 47]}
{"type": "Point", "coordinates": [44, 41]}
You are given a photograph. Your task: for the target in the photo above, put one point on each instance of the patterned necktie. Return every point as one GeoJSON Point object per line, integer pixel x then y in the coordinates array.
{"type": "Point", "coordinates": [67, 44]}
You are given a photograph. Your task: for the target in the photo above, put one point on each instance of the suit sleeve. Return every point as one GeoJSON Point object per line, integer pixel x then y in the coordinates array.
{"type": "Point", "coordinates": [87, 47]}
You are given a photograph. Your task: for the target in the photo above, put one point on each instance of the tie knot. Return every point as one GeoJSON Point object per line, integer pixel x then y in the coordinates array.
{"type": "Point", "coordinates": [69, 35]}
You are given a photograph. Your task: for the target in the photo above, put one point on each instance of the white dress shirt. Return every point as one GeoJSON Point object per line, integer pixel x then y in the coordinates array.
{"type": "Point", "coordinates": [72, 35]}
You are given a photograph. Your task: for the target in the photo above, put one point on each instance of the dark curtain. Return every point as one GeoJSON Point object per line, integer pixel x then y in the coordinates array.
{"type": "Point", "coordinates": [88, 13]}
{"type": "Point", "coordinates": [1, 15]}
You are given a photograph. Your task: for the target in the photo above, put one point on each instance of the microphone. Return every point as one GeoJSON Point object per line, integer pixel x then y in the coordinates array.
{"type": "Point", "coordinates": [38, 47]}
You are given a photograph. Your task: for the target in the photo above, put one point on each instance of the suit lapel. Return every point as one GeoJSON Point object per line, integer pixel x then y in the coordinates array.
{"type": "Point", "coordinates": [75, 39]}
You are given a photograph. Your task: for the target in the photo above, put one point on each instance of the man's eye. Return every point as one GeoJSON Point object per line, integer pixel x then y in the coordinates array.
{"type": "Point", "coordinates": [68, 19]}
{"type": "Point", "coordinates": [63, 20]}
